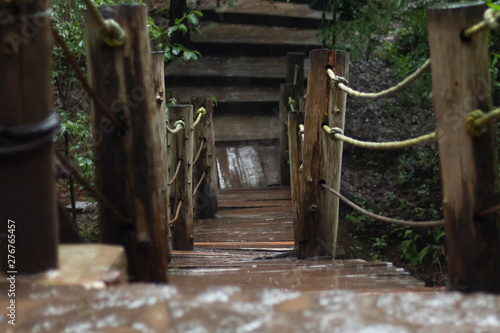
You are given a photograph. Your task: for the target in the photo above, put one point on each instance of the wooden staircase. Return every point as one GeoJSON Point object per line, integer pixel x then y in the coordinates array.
{"type": "Point", "coordinates": [243, 64]}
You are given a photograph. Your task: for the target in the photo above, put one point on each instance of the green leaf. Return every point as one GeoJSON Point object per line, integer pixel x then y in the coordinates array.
{"type": "Point", "coordinates": [193, 19]}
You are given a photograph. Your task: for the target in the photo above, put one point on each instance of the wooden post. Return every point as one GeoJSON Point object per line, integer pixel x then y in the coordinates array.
{"type": "Point", "coordinates": [205, 201]}
{"type": "Point", "coordinates": [158, 76]}
{"type": "Point", "coordinates": [461, 84]}
{"type": "Point", "coordinates": [127, 163]}
{"type": "Point", "coordinates": [180, 147]}
{"type": "Point", "coordinates": [295, 64]}
{"type": "Point", "coordinates": [295, 144]}
{"type": "Point", "coordinates": [318, 208]}
{"type": "Point", "coordinates": [284, 107]}
{"type": "Point", "coordinates": [27, 193]}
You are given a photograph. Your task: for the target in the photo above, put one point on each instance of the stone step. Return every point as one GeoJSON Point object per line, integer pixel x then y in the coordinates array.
{"type": "Point", "coordinates": [261, 12]}
{"type": "Point", "coordinates": [229, 71]}
{"type": "Point", "coordinates": [220, 39]}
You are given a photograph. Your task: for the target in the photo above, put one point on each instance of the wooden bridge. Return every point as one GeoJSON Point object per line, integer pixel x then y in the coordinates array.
{"type": "Point", "coordinates": [243, 274]}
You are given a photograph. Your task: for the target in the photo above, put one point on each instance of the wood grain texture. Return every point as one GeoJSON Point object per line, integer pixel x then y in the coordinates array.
{"type": "Point", "coordinates": [180, 147]}
{"type": "Point", "coordinates": [27, 193]}
{"type": "Point", "coordinates": [205, 201]}
{"type": "Point", "coordinates": [318, 208]}
{"type": "Point", "coordinates": [127, 163]}
{"type": "Point", "coordinates": [461, 84]}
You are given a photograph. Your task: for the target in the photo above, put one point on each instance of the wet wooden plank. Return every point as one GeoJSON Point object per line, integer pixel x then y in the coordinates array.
{"type": "Point", "coordinates": [239, 167]}
{"type": "Point", "coordinates": [237, 127]}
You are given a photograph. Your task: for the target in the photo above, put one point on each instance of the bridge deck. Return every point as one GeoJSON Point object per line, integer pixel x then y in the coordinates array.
{"type": "Point", "coordinates": [250, 245]}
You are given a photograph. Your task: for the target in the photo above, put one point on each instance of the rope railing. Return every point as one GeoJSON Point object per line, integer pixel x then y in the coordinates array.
{"type": "Point", "coordinates": [477, 121]}
{"type": "Point", "coordinates": [201, 112]}
{"type": "Point", "coordinates": [176, 173]}
{"type": "Point", "coordinates": [291, 103]}
{"type": "Point", "coordinates": [423, 224]}
{"type": "Point", "coordinates": [85, 83]}
{"type": "Point", "coordinates": [177, 213]}
{"type": "Point", "coordinates": [301, 132]}
{"type": "Point", "coordinates": [491, 20]}
{"type": "Point", "coordinates": [341, 83]}
{"type": "Point", "coordinates": [179, 125]}
{"type": "Point", "coordinates": [202, 144]}
{"type": "Point", "coordinates": [337, 135]}
{"type": "Point", "coordinates": [110, 31]}
{"type": "Point", "coordinates": [66, 167]}
{"type": "Point", "coordinates": [199, 183]}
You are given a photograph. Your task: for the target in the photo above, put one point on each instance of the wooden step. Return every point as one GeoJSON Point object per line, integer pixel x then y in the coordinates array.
{"type": "Point", "coordinates": [249, 40]}
{"type": "Point", "coordinates": [226, 71]}
{"type": "Point", "coordinates": [259, 12]}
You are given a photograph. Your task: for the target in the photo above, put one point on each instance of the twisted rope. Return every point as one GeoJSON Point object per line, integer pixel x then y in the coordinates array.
{"type": "Point", "coordinates": [109, 30]}
{"type": "Point", "coordinates": [491, 20]}
{"type": "Point", "coordinates": [179, 125]}
{"type": "Point", "coordinates": [423, 224]}
{"type": "Point", "coordinates": [201, 112]}
{"type": "Point", "coordinates": [340, 82]}
{"type": "Point", "coordinates": [177, 213]}
{"type": "Point", "coordinates": [301, 132]}
{"type": "Point", "coordinates": [336, 135]}
{"type": "Point", "coordinates": [477, 121]}
{"type": "Point", "coordinates": [199, 183]}
{"type": "Point", "coordinates": [199, 151]}
{"type": "Point", "coordinates": [179, 163]}
{"type": "Point", "coordinates": [291, 103]}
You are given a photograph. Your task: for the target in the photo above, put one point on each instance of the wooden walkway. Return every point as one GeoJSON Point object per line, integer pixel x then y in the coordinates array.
{"type": "Point", "coordinates": [250, 245]}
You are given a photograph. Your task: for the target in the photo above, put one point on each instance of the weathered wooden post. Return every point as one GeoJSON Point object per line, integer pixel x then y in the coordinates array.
{"type": "Point", "coordinates": [321, 157]}
{"type": "Point", "coordinates": [28, 215]}
{"type": "Point", "coordinates": [180, 148]}
{"type": "Point", "coordinates": [461, 84]}
{"type": "Point", "coordinates": [158, 77]}
{"type": "Point", "coordinates": [127, 162]}
{"type": "Point", "coordinates": [205, 200]}
{"type": "Point", "coordinates": [294, 144]}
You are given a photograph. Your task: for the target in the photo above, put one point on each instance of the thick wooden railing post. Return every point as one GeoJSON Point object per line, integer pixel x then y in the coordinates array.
{"type": "Point", "coordinates": [180, 147]}
{"type": "Point", "coordinates": [321, 158]}
{"type": "Point", "coordinates": [127, 163]}
{"type": "Point", "coordinates": [294, 144]}
{"type": "Point", "coordinates": [461, 84]}
{"type": "Point", "coordinates": [205, 200]}
{"type": "Point", "coordinates": [158, 77]}
{"type": "Point", "coordinates": [28, 216]}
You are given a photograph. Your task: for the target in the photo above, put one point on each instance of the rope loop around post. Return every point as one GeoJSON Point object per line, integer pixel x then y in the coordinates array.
{"type": "Point", "coordinates": [201, 112]}
{"type": "Point", "coordinates": [491, 20]}
{"type": "Point", "coordinates": [336, 134]}
{"type": "Point", "coordinates": [341, 83]}
{"type": "Point", "coordinates": [291, 103]}
{"type": "Point", "coordinates": [110, 31]}
{"type": "Point", "coordinates": [477, 121]}
{"type": "Point", "coordinates": [30, 136]}
{"type": "Point", "coordinates": [179, 125]}
{"type": "Point", "coordinates": [301, 132]}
